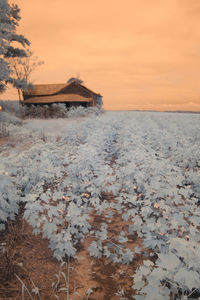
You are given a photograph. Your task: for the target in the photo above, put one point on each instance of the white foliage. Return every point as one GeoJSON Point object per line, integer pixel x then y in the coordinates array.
{"type": "Point", "coordinates": [9, 18]}
{"type": "Point", "coordinates": [150, 161]}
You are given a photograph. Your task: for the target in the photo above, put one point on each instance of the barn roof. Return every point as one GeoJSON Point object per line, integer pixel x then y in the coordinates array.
{"type": "Point", "coordinates": [55, 89]}
{"type": "Point", "coordinates": [44, 89]}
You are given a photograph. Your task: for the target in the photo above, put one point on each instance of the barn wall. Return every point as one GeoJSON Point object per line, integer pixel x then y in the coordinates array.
{"type": "Point", "coordinates": [58, 98]}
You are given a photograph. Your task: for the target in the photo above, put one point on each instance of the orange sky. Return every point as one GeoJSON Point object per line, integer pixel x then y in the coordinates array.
{"type": "Point", "coordinates": [138, 54]}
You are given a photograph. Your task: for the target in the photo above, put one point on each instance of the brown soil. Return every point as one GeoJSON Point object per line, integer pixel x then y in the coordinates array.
{"type": "Point", "coordinates": [3, 140]}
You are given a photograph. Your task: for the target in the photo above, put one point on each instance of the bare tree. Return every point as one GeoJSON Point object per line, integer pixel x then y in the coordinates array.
{"type": "Point", "coordinates": [22, 67]}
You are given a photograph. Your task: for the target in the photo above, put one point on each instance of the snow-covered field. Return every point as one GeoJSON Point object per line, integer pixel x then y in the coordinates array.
{"type": "Point", "coordinates": [147, 162]}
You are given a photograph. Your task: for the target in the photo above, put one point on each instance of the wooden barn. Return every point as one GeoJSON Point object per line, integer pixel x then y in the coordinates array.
{"type": "Point", "coordinates": [72, 93]}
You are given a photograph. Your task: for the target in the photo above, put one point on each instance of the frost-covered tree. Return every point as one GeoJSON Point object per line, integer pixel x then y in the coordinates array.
{"type": "Point", "coordinates": [22, 67]}
{"type": "Point", "coordinates": [9, 19]}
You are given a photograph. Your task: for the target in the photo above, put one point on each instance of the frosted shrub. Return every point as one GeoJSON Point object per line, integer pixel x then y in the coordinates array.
{"type": "Point", "coordinates": [8, 118]}
{"type": "Point", "coordinates": [4, 132]}
{"type": "Point", "coordinates": [9, 200]}
{"type": "Point", "coordinates": [46, 111]}
{"type": "Point", "coordinates": [75, 112]}
{"type": "Point", "coordinates": [13, 107]}
{"type": "Point", "coordinates": [81, 111]}
{"type": "Point", "coordinates": [59, 110]}
{"type": "Point", "coordinates": [95, 110]}
{"type": "Point", "coordinates": [32, 111]}
{"type": "Point", "coordinates": [55, 110]}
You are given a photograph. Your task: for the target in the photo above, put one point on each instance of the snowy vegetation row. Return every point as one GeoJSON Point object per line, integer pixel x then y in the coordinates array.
{"type": "Point", "coordinates": [160, 194]}
{"type": "Point", "coordinates": [150, 164]}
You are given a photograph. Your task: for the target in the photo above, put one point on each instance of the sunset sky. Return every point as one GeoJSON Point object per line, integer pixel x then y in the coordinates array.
{"type": "Point", "coordinates": [139, 54]}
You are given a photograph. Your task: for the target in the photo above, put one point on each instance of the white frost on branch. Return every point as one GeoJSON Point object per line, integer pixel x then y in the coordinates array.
{"type": "Point", "coordinates": [9, 18]}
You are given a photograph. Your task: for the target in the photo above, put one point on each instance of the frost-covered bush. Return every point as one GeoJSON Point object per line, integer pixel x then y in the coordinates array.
{"type": "Point", "coordinates": [4, 132]}
{"type": "Point", "coordinates": [81, 111]}
{"type": "Point", "coordinates": [45, 111]}
{"type": "Point", "coordinates": [75, 112]}
{"type": "Point", "coordinates": [55, 110]}
{"type": "Point", "coordinates": [13, 107]}
{"type": "Point", "coordinates": [8, 118]}
{"type": "Point", "coordinates": [95, 110]}
{"type": "Point", "coordinates": [9, 200]}
{"type": "Point", "coordinates": [59, 111]}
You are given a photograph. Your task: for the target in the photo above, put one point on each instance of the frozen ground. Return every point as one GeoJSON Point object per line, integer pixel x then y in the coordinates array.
{"type": "Point", "coordinates": [149, 162]}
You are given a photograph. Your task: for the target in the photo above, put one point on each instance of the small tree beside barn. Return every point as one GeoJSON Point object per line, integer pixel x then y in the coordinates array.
{"type": "Point", "coordinates": [72, 93]}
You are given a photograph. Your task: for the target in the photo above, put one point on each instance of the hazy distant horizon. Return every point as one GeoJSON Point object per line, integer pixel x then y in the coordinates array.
{"type": "Point", "coordinates": [190, 107]}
